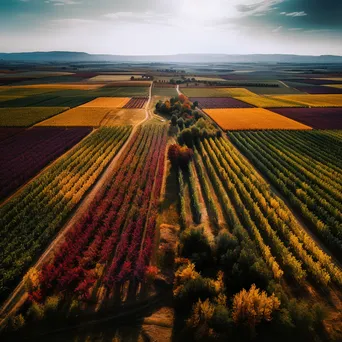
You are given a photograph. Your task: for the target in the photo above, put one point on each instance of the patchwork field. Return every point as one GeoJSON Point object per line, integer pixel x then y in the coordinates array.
{"type": "Point", "coordinates": [338, 86]}
{"type": "Point", "coordinates": [318, 118]}
{"type": "Point", "coordinates": [313, 100]}
{"type": "Point", "coordinates": [107, 102]}
{"type": "Point", "coordinates": [26, 153]}
{"type": "Point", "coordinates": [267, 102]}
{"type": "Point", "coordinates": [251, 119]}
{"type": "Point", "coordinates": [216, 92]}
{"type": "Point", "coordinates": [120, 92]}
{"type": "Point", "coordinates": [274, 90]}
{"type": "Point", "coordinates": [6, 132]}
{"type": "Point", "coordinates": [79, 116]}
{"type": "Point", "coordinates": [217, 102]}
{"type": "Point", "coordinates": [27, 116]}
{"type": "Point", "coordinates": [117, 117]}
{"type": "Point", "coordinates": [53, 86]}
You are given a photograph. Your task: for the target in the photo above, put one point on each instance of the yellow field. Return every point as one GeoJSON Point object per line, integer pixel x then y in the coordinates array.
{"type": "Point", "coordinates": [112, 78]}
{"type": "Point", "coordinates": [124, 116]}
{"type": "Point", "coordinates": [266, 102]}
{"type": "Point", "coordinates": [79, 116]}
{"type": "Point", "coordinates": [338, 86]}
{"type": "Point", "coordinates": [107, 102]}
{"type": "Point", "coordinates": [251, 118]}
{"type": "Point", "coordinates": [314, 100]}
{"type": "Point", "coordinates": [234, 92]}
{"type": "Point", "coordinates": [9, 98]}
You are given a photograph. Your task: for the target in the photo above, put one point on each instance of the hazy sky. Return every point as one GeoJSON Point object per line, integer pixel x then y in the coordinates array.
{"type": "Point", "coordinates": [172, 26]}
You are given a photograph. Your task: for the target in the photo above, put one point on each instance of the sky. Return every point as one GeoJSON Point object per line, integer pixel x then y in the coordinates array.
{"type": "Point", "coordinates": [160, 27]}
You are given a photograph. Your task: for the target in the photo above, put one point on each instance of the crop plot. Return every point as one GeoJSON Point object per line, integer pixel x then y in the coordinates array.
{"type": "Point", "coordinates": [79, 116]}
{"type": "Point", "coordinates": [27, 116]}
{"type": "Point", "coordinates": [113, 78]}
{"type": "Point", "coordinates": [124, 116]}
{"type": "Point", "coordinates": [107, 102]}
{"type": "Point", "coordinates": [217, 102]}
{"type": "Point", "coordinates": [268, 102]}
{"type": "Point", "coordinates": [216, 92]}
{"type": "Point", "coordinates": [313, 100]}
{"type": "Point", "coordinates": [32, 218]}
{"type": "Point", "coordinates": [251, 119]}
{"type": "Point", "coordinates": [320, 90]}
{"type": "Point", "coordinates": [136, 102]}
{"type": "Point", "coordinates": [318, 118]}
{"type": "Point", "coordinates": [26, 153]}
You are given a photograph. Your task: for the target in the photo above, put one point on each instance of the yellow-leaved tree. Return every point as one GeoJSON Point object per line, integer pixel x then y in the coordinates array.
{"type": "Point", "coordinates": [251, 307]}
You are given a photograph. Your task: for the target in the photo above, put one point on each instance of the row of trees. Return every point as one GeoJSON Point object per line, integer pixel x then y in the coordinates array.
{"type": "Point", "coordinates": [304, 247]}
{"type": "Point", "coordinates": [31, 219]}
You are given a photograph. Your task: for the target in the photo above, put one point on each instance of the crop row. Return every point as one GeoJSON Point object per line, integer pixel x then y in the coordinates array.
{"type": "Point", "coordinates": [31, 219]}
{"type": "Point", "coordinates": [268, 220]}
{"type": "Point", "coordinates": [136, 102]}
{"type": "Point", "coordinates": [26, 153]}
{"type": "Point", "coordinates": [312, 188]}
{"type": "Point", "coordinates": [117, 232]}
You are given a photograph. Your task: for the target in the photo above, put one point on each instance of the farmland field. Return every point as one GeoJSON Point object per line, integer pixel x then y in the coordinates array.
{"type": "Point", "coordinates": [217, 102]}
{"type": "Point", "coordinates": [6, 132]}
{"type": "Point", "coordinates": [124, 116]}
{"type": "Point", "coordinates": [313, 100]}
{"type": "Point", "coordinates": [251, 118]}
{"type": "Point", "coordinates": [136, 102]}
{"type": "Point", "coordinates": [32, 218]}
{"type": "Point", "coordinates": [79, 116]}
{"type": "Point", "coordinates": [318, 118]}
{"type": "Point", "coordinates": [339, 86]}
{"type": "Point", "coordinates": [107, 102]}
{"type": "Point", "coordinates": [319, 90]}
{"type": "Point", "coordinates": [216, 92]}
{"type": "Point", "coordinates": [302, 165]}
{"type": "Point", "coordinates": [112, 78]}
{"type": "Point", "coordinates": [164, 91]}
{"type": "Point", "coordinates": [116, 235]}
{"type": "Point", "coordinates": [268, 102]}
{"type": "Point", "coordinates": [274, 90]}
{"type": "Point", "coordinates": [120, 92]}
{"type": "Point", "coordinates": [26, 153]}
{"type": "Point", "coordinates": [27, 116]}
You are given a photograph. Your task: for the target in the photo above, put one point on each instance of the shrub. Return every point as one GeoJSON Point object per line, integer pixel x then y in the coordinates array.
{"type": "Point", "coordinates": [36, 312]}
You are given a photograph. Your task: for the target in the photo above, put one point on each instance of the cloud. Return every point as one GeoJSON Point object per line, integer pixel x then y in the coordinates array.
{"type": "Point", "coordinates": [277, 29]}
{"type": "Point", "coordinates": [294, 14]}
{"type": "Point", "coordinates": [258, 8]}
{"type": "Point", "coordinates": [62, 2]}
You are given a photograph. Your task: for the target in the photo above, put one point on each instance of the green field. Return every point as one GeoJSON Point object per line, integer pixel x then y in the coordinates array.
{"type": "Point", "coordinates": [164, 91]}
{"type": "Point", "coordinates": [27, 116]}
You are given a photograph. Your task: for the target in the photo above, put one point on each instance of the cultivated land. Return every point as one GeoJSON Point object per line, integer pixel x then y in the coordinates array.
{"type": "Point", "coordinates": [27, 116]}
{"type": "Point", "coordinates": [251, 118]}
{"type": "Point", "coordinates": [140, 215]}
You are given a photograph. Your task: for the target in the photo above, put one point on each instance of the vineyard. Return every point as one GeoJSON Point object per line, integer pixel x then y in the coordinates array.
{"type": "Point", "coordinates": [25, 154]}
{"type": "Point", "coordinates": [255, 215]}
{"type": "Point", "coordinates": [32, 218]}
{"type": "Point", "coordinates": [303, 166]}
{"type": "Point", "coordinates": [113, 242]}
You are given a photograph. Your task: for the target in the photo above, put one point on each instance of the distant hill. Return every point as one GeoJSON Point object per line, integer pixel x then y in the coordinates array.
{"type": "Point", "coordinates": [67, 56]}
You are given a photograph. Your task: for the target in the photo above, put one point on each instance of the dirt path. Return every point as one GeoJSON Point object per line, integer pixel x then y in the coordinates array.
{"type": "Point", "coordinates": [18, 295]}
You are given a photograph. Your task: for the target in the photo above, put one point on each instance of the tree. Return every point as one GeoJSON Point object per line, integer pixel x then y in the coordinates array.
{"type": "Point", "coordinates": [174, 119]}
{"type": "Point", "coordinates": [180, 123]}
{"type": "Point", "coordinates": [132, 78]}
{"type": "Point", "coordinates": [173, 154]}
{"type": "Point", "coordinates": [252, 307]}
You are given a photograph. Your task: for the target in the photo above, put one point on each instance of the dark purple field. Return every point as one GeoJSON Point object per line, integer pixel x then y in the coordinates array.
{"type": "Point", "coordinates": [319, 90]}
{"type": "Point", "coordinates": [6, 132]}
{"type": "Point", "coordinates": [23, 155]}
{"type": "Point", "coordinates": [318, 118]}
{"type": "Point", "coordinates": [311, 81]}
{"type": "Point", "coordinates": [219, 102]}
